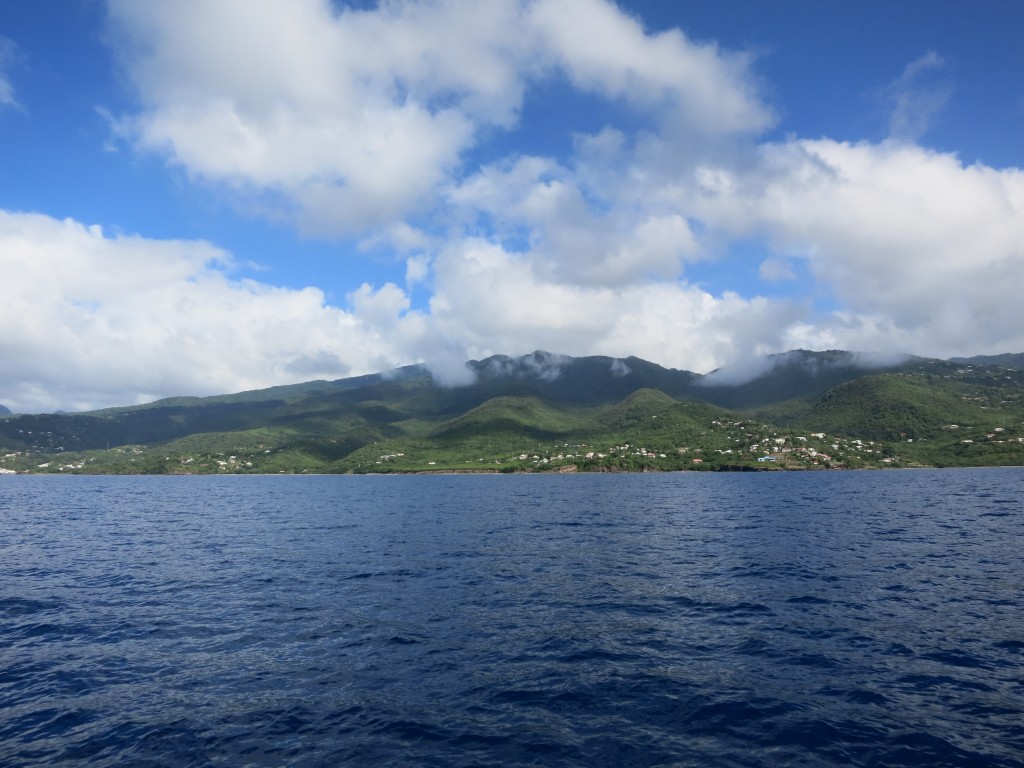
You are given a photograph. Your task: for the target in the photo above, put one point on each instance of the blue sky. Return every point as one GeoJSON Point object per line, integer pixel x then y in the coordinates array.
{"type": "Point", "coordinates": [215, 195]}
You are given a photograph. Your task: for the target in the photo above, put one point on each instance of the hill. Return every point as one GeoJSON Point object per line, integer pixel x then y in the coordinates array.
{"type": "Point", "coordinates": [1007, 360]}
{"type": "Point", "coordinates": [891, 408]}
{"type": "Point", "coordinates": [798, 374]}
{"type": "Point", "coordinates": [542, 411]}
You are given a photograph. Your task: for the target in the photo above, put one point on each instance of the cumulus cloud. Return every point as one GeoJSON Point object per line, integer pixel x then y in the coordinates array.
{"type": "Point", "coordinates": [340, 120]}
{"type": "Point", "coordinates": [359, 123]}
{"type": "Point", "coordinates": [93, 320]}
{"type": "Point", "coordinates": [417, 269]}
{"type": "Point", "coordinates": [692, 86]}
{"type": "Point", "coordinates": [578, 232]}
{"type": "Point", "coordinates": [497, 301]}
{"type": "Point", "coordinates": [344, 120]}
{"type": "Point", "coordinates": [920, 250]}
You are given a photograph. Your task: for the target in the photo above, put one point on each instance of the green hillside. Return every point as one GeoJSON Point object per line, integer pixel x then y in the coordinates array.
{"type": "Point", "coordinates": [891, 407]}
{"type": "Point", "coordinates": [974, 419]}
{"type": "Point", "coordinates": [542, 412]}
{"type": "Point", "coordinates": [1005, 360]}
{"type": "Point", "coordinates": [511, 418]}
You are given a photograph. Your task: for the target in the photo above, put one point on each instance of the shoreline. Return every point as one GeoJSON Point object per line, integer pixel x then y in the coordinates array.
{"type": "Point", "coordinates": [735, 469]}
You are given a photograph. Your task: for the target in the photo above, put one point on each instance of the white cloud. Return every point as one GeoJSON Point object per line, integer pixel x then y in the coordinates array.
{"type": "Point", "coordinates": [578, 231]}
{"type": "Point", "coordinates": [359, 122]}
{"type": "Point", "coordinates": [6, 94]}
{"type": "Point", "coordinates": [917, 96]}
{"type": "Point", "coordinates": [920, 250]}
{"type": "Point", "coordinates": [345, 121]}
{"type": "Point", "coordinates": [693, 86]}
{"type": "Point", "coordinates": [417, 269]}
{"type": "Point", "coordinates": [93, 320]}
{"type": "Point", "coordinates": [922, 253]}
{"type": "Point", "coordinates": [747, 369]}
{"type": "Point", "coordinates": [774, 270]}
{"type": "Point", "coordinates": [494, 301]}
{"type": "Point", "coordinates": [8, 54]}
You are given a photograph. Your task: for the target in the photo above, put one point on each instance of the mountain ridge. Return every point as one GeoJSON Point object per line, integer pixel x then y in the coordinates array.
{"type": "Point", "coordinates": [1005, 360]}
{"type": "Point", "coordinates": [518, 405]}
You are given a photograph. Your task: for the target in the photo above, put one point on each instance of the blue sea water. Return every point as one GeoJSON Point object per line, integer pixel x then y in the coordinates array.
{"type": "Point", "coordinates": [768, 619]}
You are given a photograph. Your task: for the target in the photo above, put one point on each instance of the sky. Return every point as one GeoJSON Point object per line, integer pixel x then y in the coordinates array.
{"type": "Point", "coordinates": [208, 196]}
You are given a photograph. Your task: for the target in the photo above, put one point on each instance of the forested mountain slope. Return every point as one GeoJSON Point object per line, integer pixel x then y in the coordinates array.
{"type": "Point", "coordinates": [797, 409]}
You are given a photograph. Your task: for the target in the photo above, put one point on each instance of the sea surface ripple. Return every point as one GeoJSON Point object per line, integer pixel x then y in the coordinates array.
{"type": "Point", "coordinates": [798, 619]}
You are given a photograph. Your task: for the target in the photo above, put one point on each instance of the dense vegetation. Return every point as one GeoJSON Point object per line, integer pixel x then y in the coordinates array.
{"type": "Point", "coordinates": [544, 412]}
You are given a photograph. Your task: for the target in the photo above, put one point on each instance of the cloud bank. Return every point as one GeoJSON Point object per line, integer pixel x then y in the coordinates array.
{"type": "Point", "coordinates": [382, 126]}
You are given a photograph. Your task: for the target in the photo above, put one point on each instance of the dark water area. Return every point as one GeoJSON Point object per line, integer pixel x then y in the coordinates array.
{"type": "Point", "coordinates": [797, 619]}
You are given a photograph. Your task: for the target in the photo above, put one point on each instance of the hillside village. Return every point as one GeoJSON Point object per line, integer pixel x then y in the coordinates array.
{"type": "Point", "coordinates": [741, 446]}
{"type": "Point", "coordinates": [754, 447]}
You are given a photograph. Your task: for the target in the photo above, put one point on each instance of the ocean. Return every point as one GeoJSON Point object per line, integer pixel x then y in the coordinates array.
{"type": "Point", "coordinates": [685, 619]}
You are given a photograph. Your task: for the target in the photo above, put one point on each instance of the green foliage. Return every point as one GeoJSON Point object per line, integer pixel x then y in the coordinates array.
{"type": "Point", "coordinates": [906, 406]}
{"type": "Point", "coordinates": [505, 418]}
{"type": "Point", "coordinates": [541, 413]}
{"type": "Point", "coordinates": [886, 408]}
